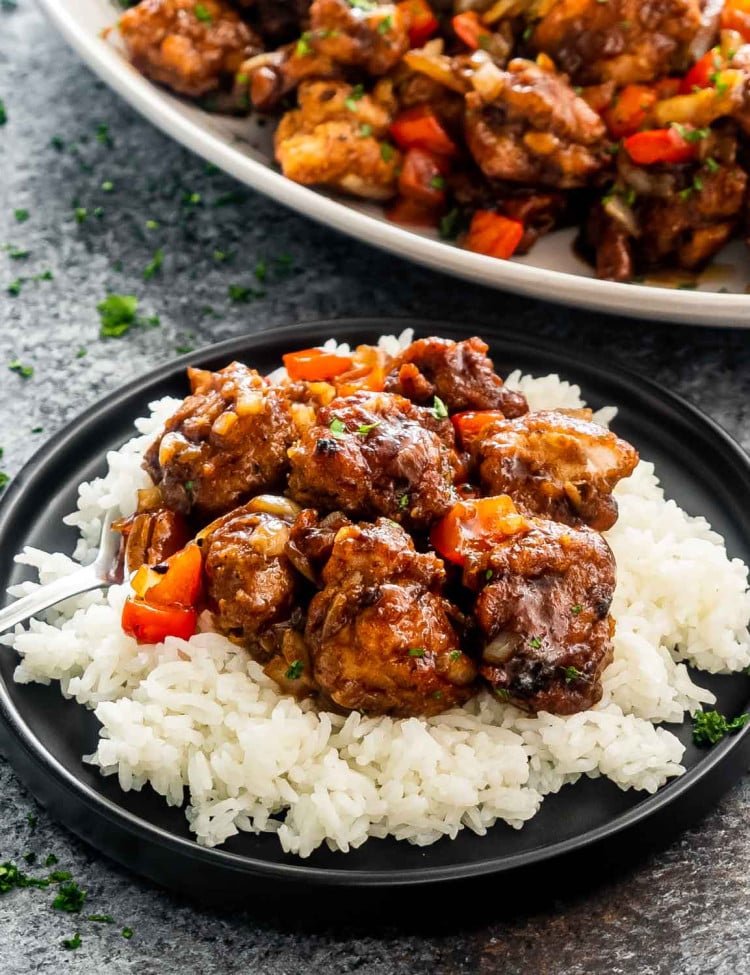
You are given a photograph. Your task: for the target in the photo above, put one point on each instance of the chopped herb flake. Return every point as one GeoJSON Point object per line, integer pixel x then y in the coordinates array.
{"type": "Point", "coordinates": [439, 409]}
{"type": "Point", "coordinates": [295, 670]}
{"type": "Point", "coordinates": [386, 151]}
{"type": "Point", "coordinates": [101, 918]}
{"type": "Point", "coordinates": [25, 372]}
{"type": "Point", "coordinates": [337, 426]}
{"type": "Point", "coordinates": [69, 898]}
{"type": "Point", "coordinates": [535, 642]}
{"type": "Point", "coordinates": [80, 214]}
{"type": "Point", "coordinates": [154, 265]}
{"type": "Point", "coordinates": [127, 933]}
{"type": "Point", "coordinates": [571, 674]}
{"type": "Point", "coordinates": [366, 427]}
{"type": "Point", "coordinates": [50, 860]}
{"type": "Point", "coordinates": [108, 186]}
{"type": "Point", "coordinates": [710, 726]}
{"type": "Point", "coordinates": [417, 651]}
{"type": "Point", "coordinates": [202, 13]}
{"type": "Point", "coordinates": [117, 314]}
{"type": "Point", "coordinates": [21, 215]}
{"type": "Point", "coordinates": [575, 610]}
{"type": "Point", "coordinates": [72, 943]}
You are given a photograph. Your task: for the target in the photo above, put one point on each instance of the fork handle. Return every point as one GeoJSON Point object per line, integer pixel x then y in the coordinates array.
{"type": "Point", "coordinates": [45, 596]}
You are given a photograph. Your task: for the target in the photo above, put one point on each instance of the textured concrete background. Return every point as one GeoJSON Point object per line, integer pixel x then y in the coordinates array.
{"type": "Point", "coordinates": [685, 910]}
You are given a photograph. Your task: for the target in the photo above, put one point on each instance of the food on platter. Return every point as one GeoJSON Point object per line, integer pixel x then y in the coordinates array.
{"type": "Point", "coordinates": [386, 591]}
{"type": "Point", "coordinates": [495, 122]}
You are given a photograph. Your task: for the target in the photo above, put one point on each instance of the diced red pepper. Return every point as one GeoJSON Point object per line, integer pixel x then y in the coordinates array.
{"type": "Point", "coordinates": [470, 424]}
{"type": "Point", "coordinates": [422, 21]}
{"type": "Point", "coordinates": [179, 580]}
{"type": "Point", "coordinates": [628, 111]}
{"type": "Point", "coordinates": [699, 76]}
{"type": "Point", "coordinates": [422, 177]}
{"type": "Point", "coordinates": [493, 234]}
{"type": "Point", "coordinates": [315, 365]}
{"type": "Point", "coordinates": [475, 525]}
{"type": "Point", "coordinates": [659, 146]}
{"type": "Point", "coordinates": [420, 128]}
{"type": "Point", "coordinates": [153, 624]}
{"type": "Point", "coordinates": [471, 29]}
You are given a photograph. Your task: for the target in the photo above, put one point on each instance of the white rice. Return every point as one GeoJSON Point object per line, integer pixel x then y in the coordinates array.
{"type": "Point", "coordinates": [198, 719]}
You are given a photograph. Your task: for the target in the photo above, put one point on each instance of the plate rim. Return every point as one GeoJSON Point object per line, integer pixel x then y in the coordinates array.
{"type": "Point", "coordinates": [57, 445]}
{"type": "Point", "coordinates": [689, 307]}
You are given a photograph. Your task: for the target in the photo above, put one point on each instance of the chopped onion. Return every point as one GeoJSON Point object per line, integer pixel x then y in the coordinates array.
{"type": "Point", "coordinates": [501, 648]}
{"type": "Point", "coordinates": [621, 213]}
{"type": "Point", "coordinates": [275, 504]}
{"type": "Point", "coordinates": [488, 80]}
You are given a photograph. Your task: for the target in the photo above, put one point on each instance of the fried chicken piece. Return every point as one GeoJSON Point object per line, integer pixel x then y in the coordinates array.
{"type": "Point", "coordinates": [544, 614]}
{"type": "Point", "coordinates": [459, 373]}
{"type": "Point", "coordinates": [376, 454]}
{"type": "Point", "coordinates": [370, 36]}
{"type": "Point", "coordinates": [337, 138]}
{"type": "Point", "coordinates": [624, 41]}
{"type": "Point", "coordinates": [250, 582]}
{"type": "Point", "coordinates": [190, 46]}
{"type": "Point", "coordinates": [556, 466]}
{"type": "Point", "coordinates": [535, 130]}
{"type": "Point", "coordinates": [225, 443]}
{"type": "Point", "coordinates": [380, 634]}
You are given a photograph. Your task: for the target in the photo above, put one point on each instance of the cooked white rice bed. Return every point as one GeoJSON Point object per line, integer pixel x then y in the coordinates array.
{"type": "Point", "coordinates": [199, 720]}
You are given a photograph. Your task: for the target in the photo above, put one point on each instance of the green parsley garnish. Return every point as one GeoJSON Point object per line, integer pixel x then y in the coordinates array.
{"type": "Point", "coordinates": [29, 857]}
{"type": "Point", "coordinates": [535, 642]}
{"type": "Point", "coordinates": [575, 610]}
{"type": "Point", "coordinates": [16, 253]}
{"type": "Point", "coordinates": [189, 485]}
{"type": "Point", "coordinates": [72, 943]}
{"type": "Point", "coordinates": [11, 877]}
{"type": "Point", "coordinates": [69, 898]}
{"type": "Point", "coordinates": [51, 860]}
{"type": "Point", "coordinates": [437, 695]}
{"type": "Point", "coordinates": [417, 651]}
{"type": "Point", "coordinates": [385, 24]}
{"type": "Point", "coordinates": [454, 654]}
{"type": "Point", "coordinates": [37, 429]}
{"type": "Point", "coordinates": [365, 131]}
{"type": "Point", "coordinates": [503, 693]}
{"type": "Point", "coordinates": [403, 501]}
{"type": "Point", "coordinates": [80, 214]}
{"type": "Point", "coordinates": [437, 183]}
{"type": "Point", "coordinates": [488, 574]}
{"type": "Point", "coordinates": [4, 480]}
{"type": "Point", "coordinates": [240, 293]}
{"type": "Point", "coordinates": [14, 288]}
{"type": "Point", "coordinates": [303, 45]}
{"type": "Point", "coordinates": [31, 821]}
{"type": "Point", "coordinates": [439, 409]}
{"type": "Point", "coordinates": [366, 427]}
{"type": "Point", "coordinates": [154, 265]}
{"type": "Point", "coordinates": [102, 134]}
{"type": "Point", "coordinates": [81, 353]}
{"type": "Point", "coordinates": [337, 426]}
{"type": "Point", "coordinates": [354, 96]}
{"type": "Point", "coordinates": [127, 933]}
{"type": "Point", "coordinates": [101, 918]}
{"type": "Point", "coordinates": [710, 726]}
{"type": "Point", "coordinates": [117, 314]}
{"type": "Point", "coordinates": [58, 876]}
{"type": "Point", "coordinates": [21, 215]}
{"type": "Point", "coordinates": [108, 186]}
{"type": "Point", "coordinates": [25, 372]}
{"type": "Point", "coordinates": [202, 13]}
{"type": "Point", "coordinates": [152, 225]}
{"type": "Point", "coordinates": [295, 670]}
{"type": "Point", "coordinates": [3, 113]}
{"type": "Point", "coordinates": [448, 226]}
{"type": "Point", "coordinates": [571, 674]}
{"type": "Point", "coordinates": [711, 165]}
{"type": "Point", "coordinates": [386, 151]}
{"type": "Point", "coordinates": [688, 134]}
{"type": "Point", "coordinates": [261, 271]}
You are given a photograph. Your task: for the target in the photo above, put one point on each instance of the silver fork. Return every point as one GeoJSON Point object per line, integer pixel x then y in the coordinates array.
{"type": "Point", "coordinates": [100, 574]}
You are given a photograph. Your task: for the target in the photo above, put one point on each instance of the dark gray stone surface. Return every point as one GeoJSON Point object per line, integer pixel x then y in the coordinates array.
{"type": "Point", "coordinates": [682, 910]}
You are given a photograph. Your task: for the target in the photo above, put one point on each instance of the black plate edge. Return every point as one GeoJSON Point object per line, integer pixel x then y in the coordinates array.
{"type": "Point", "coordinates": [718, 770]}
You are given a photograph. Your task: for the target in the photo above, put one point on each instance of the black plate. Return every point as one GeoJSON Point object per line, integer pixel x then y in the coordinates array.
{"type": "Point", "coordinates": [45, 736]}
